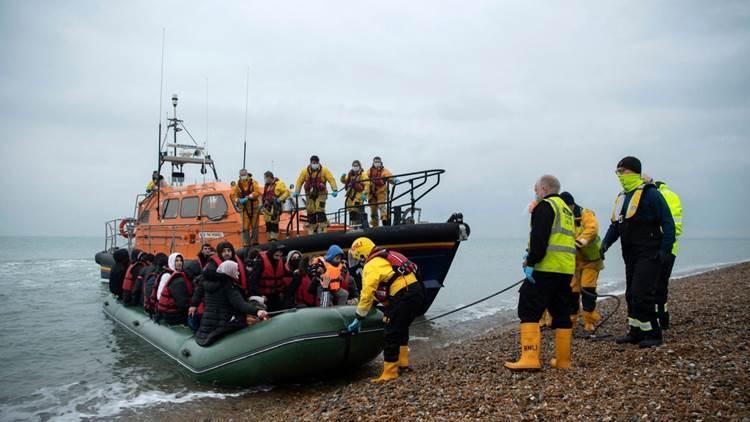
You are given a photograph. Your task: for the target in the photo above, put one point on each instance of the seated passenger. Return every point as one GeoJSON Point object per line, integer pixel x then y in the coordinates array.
{"type": "Point", "coordinates": [225, 308]}
{"type": "Point", "coordinates": [306, 291]}
{"type": "Point", "coordinates": [173, 293]}
{"type": "Point", "coordinates": [151, 282]}
{"type": "Point", "coordinates": [225, 252]}
{"type": "Point", "coordinates": [131, 276]}
{"type": "Point", "coordinates": [336, 287]}
{"type": "Point", "coordinates": [270, 278]}
{"type": "Point", "coordinates": [117, 272]}
{"type": "Point", "coordinates": [205, 254]}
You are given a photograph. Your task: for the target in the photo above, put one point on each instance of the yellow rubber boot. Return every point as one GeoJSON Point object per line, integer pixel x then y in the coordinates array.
{"type": "Point", "coordinates": [590, 319]}
{"type": "Point", "coordinates": [574, 320]}
{"type": "Point", "coordinates": [563, 343]}
{"type": "Point", "coordinates": [390, 372]}
{"type": "Point", "coordinates": [531, 339]}
{"type": "Point", "coordinates": [546, 320]}
{"type": "Point", "coordinates": [403, 359]}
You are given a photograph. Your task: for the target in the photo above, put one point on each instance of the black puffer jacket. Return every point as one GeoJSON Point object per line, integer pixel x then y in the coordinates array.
{"type": "Point", "coordinates": [225, 309]}
{"type": "Point", "coordinates": [117, 272]}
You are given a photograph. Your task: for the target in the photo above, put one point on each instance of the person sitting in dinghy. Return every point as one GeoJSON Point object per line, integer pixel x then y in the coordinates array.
{"type": "Point", "coordinates": [174, 292]}
{"type": "Point", "coordinates": [336, 286]}
{"type": "Point", "coordinates": [225, 308]}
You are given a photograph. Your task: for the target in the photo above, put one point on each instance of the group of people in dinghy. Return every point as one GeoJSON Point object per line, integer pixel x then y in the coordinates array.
{"type": "Point", "coordinates": [221, 291]}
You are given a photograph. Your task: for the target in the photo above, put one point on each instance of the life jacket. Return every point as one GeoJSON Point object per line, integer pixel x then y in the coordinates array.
{"type": "Point", "coordinates": [354, 182]}
{"type": "Point", "coordinates": [150, 285]}
{"type": "Point", "coordinates": [269, 192]}
{"type": "Point", "coordinates": [339, 275]}
{"type": "Point", "coordinates": [375, 175]}
{"type": "Point", "coordinates": [246, 193]}
{"type": "Point", "coordinates": [401, 265]}
{"type": "Point", "coordinates": [303, 295]}
{"type": "Point", "coordinates": [314, 180]}
{"type": "Point", "coordinates": [130, 276]}
{"type": "Point", "coordinates": [272, 279]}
{"type": "Point", "coordinates": [166, 304]}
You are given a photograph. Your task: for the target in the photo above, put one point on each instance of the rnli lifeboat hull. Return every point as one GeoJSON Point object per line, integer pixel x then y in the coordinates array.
{"type": "Point", "coordinates": [303, 344]}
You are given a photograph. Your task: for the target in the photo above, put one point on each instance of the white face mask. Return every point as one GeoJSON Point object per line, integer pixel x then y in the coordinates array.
{"type": "Point", "coordinates": [269, 181]}
{"type": "Point", "coordinates": [377, 164]}
{"type": "Point", "coordinates": [245, 177]}
{"type": "Point", "coordinates": [355, 169]}
{"type": "Point", "coordinates": [315, 166]}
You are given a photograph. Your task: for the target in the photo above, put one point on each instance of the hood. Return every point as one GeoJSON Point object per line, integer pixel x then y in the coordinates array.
{"type": "Point", "coordinates": [135, 254]}
{"type": "Point", "coordinates": [160, 260]}
{"type": "Point", "coordinates": [224, 245]}
{"type": "Point", "coordinates": [121, 256]}
{"type": "Point", "coordinates": [229, 268]}
{"type": "Point", "coordinates": [171, 260]}
{"type": "Point", "coordinates": [333, 251]}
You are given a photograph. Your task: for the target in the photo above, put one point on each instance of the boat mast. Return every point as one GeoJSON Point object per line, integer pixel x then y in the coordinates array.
{"type": "Point", "coordinates": [247, 91]}
{"type": "Point", "coordinates": [158, 141]}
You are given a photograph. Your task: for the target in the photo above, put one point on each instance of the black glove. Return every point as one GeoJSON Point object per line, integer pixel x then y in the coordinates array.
{"type": "Point", "coordinates": [662, 257]}
{"type": "Point", "coordinates": [603, 250]}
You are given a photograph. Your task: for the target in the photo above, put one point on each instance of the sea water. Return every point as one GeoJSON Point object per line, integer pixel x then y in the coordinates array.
{"type": "Point", "coordinates": [62, 359]}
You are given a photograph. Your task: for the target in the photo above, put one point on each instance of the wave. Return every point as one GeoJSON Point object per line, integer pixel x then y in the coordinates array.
{"type": "Point", "coordinates": [77, 401]}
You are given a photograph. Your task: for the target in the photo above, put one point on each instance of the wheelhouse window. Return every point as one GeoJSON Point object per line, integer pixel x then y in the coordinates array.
{"type": "Point", "coordinates": [171, 207]}
{"type": "Point", "coordinates": [189, 207]}
{"type": "Point", "coordinates": [143, 218]}
{"type": "Point", "coordinates": [213, 207]}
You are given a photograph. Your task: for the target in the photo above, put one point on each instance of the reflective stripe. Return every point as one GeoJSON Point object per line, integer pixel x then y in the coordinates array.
{"type": "Point", "coordinates": [563, 231]}
{"type": "Point", "coordinates": [555, 248]}
{"type": "Point", "coordinates": [635, 200]}
{"type": "Point", "coordinates": [644, 326]}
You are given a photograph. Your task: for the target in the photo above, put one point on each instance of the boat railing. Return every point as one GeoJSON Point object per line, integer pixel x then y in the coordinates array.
{"type": "Point", "coordinates": [404, 191]}
{"type": "Point", "coordinates": [112, 232]}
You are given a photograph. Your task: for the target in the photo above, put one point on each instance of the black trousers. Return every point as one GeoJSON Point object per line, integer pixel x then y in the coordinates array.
{"type": "Point", "coordinates": [552, 292]}
{"type": "Point", "coordinates": [642, 271]}
{"type": "Point", "coordinates": [662, 291]}
{"type": "Point", "coordinates": [400, 313]}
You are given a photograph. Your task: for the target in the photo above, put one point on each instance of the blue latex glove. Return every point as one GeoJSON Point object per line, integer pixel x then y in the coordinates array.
{"type": "Point", "coordinates": [343, 175]}
{"type": "Point", "coordinates": [295, 195]}
{"type": "Point", "coordinates": [334, 194]}
{"type": "Point", "coordinates": [242, 201]}
{"type": "Point", "coordinates": [354, 326]}
{"type": "Point", "coordinates": [529, 271]}
{"type": "Point", "coordinates": [396, 181]}
{"type": "Point", "coordinates": [364, 197]}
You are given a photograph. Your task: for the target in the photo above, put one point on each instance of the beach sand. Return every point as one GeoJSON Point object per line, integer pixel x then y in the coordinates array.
{"type": "Point", "coordinates": [702, 372]}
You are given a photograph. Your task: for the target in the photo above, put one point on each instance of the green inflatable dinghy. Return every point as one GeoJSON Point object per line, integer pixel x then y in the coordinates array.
{"type": "Point", "coordinates": [293, 345]}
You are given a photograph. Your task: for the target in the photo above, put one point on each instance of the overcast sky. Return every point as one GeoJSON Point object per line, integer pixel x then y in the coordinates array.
{"type": "Point", "coordinates": [496, 93]}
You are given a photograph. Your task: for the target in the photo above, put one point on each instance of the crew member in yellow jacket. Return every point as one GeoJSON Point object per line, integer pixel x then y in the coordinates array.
{"type": "Point", "coordinates": [380, 178]}
{"type": "Point", "coordinates": [314, 178]}
{"type": "Point", "coordinates": [275, 193]}
{"type": "Point", "coordinates": [247, 194]}
{"type": "Point", "coordinates": [390, 278]}
{"type": "Point", "coordinates": [588, 264]}
{"type": "Point", "coordinates": [357, 186]}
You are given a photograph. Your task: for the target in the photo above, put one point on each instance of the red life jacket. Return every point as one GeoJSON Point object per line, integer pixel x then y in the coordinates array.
{"type": "Point", "coordinates": [375, 175]}
{"type": "Point", "coordinates": [314, 181]}
{"type": "Point", "coordinates": [272, 279]}
{"type": "Point", "coordinates": [246, 193]}
{"type": "Point", "coordinates": [166, 304]}
{"type": "Point", "coordinates": [303, 295]}
{"type": "Point", "coordinates": [269, 192]}
{"type": "Point", "coordinates": [130, 277]}
{"type": "Point", "coordinates": [355, 182]}
{"type": "Point", "coordinates": [401, 265]}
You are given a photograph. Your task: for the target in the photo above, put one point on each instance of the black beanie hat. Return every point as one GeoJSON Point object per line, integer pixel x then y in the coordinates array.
{"type": "Point", "coordinates": [567, 198]}
{"type": "Point", "coordinates": [631, 163]}
{"type": "Point", "coordinates": [314, 158]}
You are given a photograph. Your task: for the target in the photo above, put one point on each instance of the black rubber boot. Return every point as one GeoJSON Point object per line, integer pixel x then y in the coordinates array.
{"type": "Point", "coordinates": [663, 316]}
{"type": "Point", "coordinates": [634, 336]}
{"type": "Point", "coordinates": [651, 338]}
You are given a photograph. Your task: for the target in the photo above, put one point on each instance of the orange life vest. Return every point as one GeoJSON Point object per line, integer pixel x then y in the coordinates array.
{"type": "Point", "coordinates": [314, 180]}
{"type": "Point", "coordinates": [375, 175]}
{"type": "Point", "coordinates": [355, 182]}
{"type": "Point", "coordinates": [339, 275]}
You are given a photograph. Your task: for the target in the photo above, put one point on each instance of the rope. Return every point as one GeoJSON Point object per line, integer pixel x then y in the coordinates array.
{"type": "Point", "coordinates": [470, 304]}
{"type": "Point", "coordinates": [604, 320]}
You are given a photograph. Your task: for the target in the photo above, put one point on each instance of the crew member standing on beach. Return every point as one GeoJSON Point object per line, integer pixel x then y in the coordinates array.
{"type": "Point", "coordinates": [247, 194]}
{"type": "Point", "coordinates": [642, 221]}
{"type": "Point", "coordinates": [391, 278]}
{"type": "Point", "coordinates": [675, 208]}
{"type": "Point", "coordinates": [588, 264]}
{"type": "Point", "coordinates": [549, 268]}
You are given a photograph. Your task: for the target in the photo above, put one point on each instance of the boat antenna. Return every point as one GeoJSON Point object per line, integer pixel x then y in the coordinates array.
{"type": "Point", "coordinates": [205, 140]}
{"type": "Point", "coordinates": [158, 142]}
{"type": "Point", "coordinates": [247, 93]}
